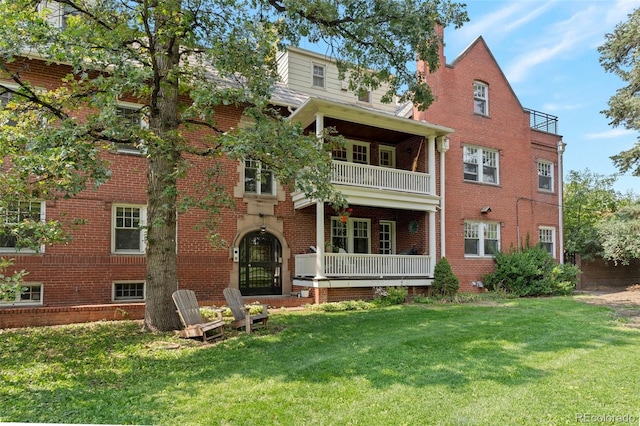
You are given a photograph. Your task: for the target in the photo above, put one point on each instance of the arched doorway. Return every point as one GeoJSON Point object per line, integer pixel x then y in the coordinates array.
{"type": "Point", "coordinates": [260, 264]}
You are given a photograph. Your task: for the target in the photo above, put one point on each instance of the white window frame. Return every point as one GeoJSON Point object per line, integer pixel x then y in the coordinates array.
{"type": "Point", "coordinates": [391, 240]}
{"type": "Point", "coordinates": [318, 77]}
{"type": "Point", "coordinates": [391, 150]}
{"type": "Point", "coordinates": [480, 157]}
{"type": "Point", "coordinates": [477, 230]}
{"type": "Point", "coordinates": [141, 226]}
{"type": "Point", "coordinates": [350, 152]}
{"type": "Point", "coordinates": [4, 221]}
{"type": "Point", "coordinates": [350, 225]}
{"type": "Point", "coordinates": [260, 171]}
{"type": "Point", "coordinates": [546, 236]}
{"type": "Point", "coordinates": [364, 97]}
{"type": "Point", "coordinates": [480, 98]}
{"type": "Point", "coordinates": [545, 171]}
{"type": "Point", "coordinates": [144, 123]}
{"type": "Point", "coordinates": [29, 302]}
{"type": "Point", "coordinates": [115, 284]}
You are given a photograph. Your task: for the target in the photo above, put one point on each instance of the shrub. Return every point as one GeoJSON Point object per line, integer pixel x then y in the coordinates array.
{"type": "Point", "coordinates": [531, 272]}
{"type": "Point", "coordinates": [347, 305]}
{"type": "Point", "coordinates": [445, 283]}
{"type": "Point", "coordinates": [387, 296]}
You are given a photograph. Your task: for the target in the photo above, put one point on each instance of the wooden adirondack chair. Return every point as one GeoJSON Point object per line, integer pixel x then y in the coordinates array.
{"type": "Point", "coordinates": [191, 318]}
{"type": "Point", "coordinates": [241, 315]}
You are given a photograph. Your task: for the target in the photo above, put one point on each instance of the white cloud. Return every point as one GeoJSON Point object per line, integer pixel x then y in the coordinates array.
{"type": "Point", "coordinates": [610, 134]}
{"type": "Point", "coordinates": [562, 107]}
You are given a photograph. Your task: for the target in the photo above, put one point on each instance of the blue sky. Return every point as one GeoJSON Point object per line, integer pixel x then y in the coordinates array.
{"type": "Point", "coordinates": [548, 51]}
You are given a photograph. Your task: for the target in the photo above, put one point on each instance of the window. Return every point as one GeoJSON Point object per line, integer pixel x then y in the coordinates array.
{"type": "Point", "coordinates": [318, 75]}
{"type": "Point", "coordinates": [15, 214]}
{"type": "Point", "coordinates": [545, 176]}
{"type": "Point", "coordinates": [128, 224]}
{"type": "Point", "coordinates": [548, 239]}
{"type": "Point", "coordinates": [66, 12]}
{"type": "Point", "coordinates": [353, 152]}
{"type": "Point", "coordinates": [387, 156]}
{"type": "Point", "coordinates": [129, 291]}
{"type": "Point", "coordinates": [387, 237]}
{"type": "Point", "coordinates": [364, 96]}
{"type": "Point", "coordinates": [481, 239]}
{"type": "Point", "coordinates": [29, 294]}
{"type": "Point", "coordinates": [352, 236]}
{"type": "Point", "coordinates": [130, 116]}
{"type": "Point", "coordinates": [473, 157]}
{"type": "Point", "coordinates": [5, 98]}
{"type": "Point", "coordinates": [258, 179]}
{"type": "Point", "coordinates": [480, 98]}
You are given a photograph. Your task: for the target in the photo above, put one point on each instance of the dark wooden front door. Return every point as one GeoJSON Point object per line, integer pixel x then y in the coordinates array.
{"type": "Point", "coordinates": [260, 264]}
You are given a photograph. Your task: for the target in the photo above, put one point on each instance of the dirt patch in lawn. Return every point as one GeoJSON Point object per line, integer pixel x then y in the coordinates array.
{"type": "Point", "coordinates": [625, 302]}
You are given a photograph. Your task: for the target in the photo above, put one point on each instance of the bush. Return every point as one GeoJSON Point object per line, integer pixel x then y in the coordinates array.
{"type": "Point", "coordinates": [387, 296]}
{"type": "Point", "coordinates": [531, 272]}
{"type": "Point", "coordinates": [445, 283]}
{"type": "Point", "coordinates": [347, 305]}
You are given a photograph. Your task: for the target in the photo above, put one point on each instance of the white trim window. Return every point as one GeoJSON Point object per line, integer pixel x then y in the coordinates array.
{"type": "Point", "coordinates": [5, 98]}
{"type": "Point", "coordinates": [545, 176]}
{"type": "Point", "coordinates": [318, 75]}
{"type": "Point", "coordinates": [480, 98]}
{"type": "Point", "coordinates": [387, 156]}
{"type": "Point", "coordinates": [258, 179]}
{"type": "Point", "coordinates": [481, 239]}
{"type": "Point", "coordinates": [387, 237]}
{"type": "Point", "coordinates": [547, 236]}
{"type": "Point", "coordinates": [364, 96]}
{"type": "Point", "coordinates": [352, 152]}
{"type": "Point", "coordinates": [128, 291]}
{"type": "Point", "coordinates": [130, 115]}
{"type": "Point", "coordinates": [128, 222]}
{"type": "Point", "coordinates": [473, 157]}
{"type": "Point", "coordinates": [15, 214]}
{"type": "Point", "coordinates": [29, 294]}
{"type": "Point", "coordinates": [351, 236]}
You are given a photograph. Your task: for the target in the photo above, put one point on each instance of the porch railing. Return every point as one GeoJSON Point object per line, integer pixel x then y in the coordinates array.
{"type": "Point", "coordinates": [365, 265]}
{"type": "Point", "coordinates": [543, 121]}
{"type": "Point", "coordinates": [380, 177]}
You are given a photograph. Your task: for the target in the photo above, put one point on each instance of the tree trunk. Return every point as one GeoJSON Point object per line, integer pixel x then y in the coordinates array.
{"type": "Point", "coordinates": [164, 157]}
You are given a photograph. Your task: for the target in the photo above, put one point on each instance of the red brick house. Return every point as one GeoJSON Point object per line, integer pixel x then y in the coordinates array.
{"type": "Point", "coordinates": [503, 178]}
{"type": "Point", "coordinates": [416, 192]}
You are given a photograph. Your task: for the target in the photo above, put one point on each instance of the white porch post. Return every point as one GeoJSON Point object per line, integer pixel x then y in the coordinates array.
{"type": "Point", "coordinates": [432, 238]}
{"type": "Point", "coordinates": [443, 147]}
{"type": "Point", "coordinates": [561, 146]}
{"type": "Point", "coordinates": [431, 163]}
{"type": "Point", "coordinates": [320, 240]}
{"type": "Point", "coordinates": [319, 211]}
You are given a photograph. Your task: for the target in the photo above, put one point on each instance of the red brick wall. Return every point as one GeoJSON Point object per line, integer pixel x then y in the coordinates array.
{"type": "Point", "coordinates": [516, 202]}
{"type": "Point", "coordinates": [598, 273]}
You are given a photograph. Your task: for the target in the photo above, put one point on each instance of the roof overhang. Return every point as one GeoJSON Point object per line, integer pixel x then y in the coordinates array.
{"type": "Point", "coordinates": [307, 112]}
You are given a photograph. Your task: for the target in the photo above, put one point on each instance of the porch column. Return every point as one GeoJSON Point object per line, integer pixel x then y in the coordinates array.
{"type": "Point", "coordinates": [319, 210]}
{"type": "Point", "coordinates": [432, 238]}
{"type": "Point", "coordinates": [431, 163]}
{"type": "Point", "coordinates": [443, 147]}
{"type": "Point", "coordinates": [319, 240]}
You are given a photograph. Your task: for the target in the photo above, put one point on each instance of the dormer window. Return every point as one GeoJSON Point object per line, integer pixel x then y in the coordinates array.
{"type": "Point", "coordinates": [318, 79]}
{"type": "Point", "coordinates": [480, 98]}
{"type": "Point", "coordinates": [364, 96]}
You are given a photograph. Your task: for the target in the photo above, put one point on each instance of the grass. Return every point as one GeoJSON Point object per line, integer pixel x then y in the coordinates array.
{"type": "Point", "coordinates": [530, 361]}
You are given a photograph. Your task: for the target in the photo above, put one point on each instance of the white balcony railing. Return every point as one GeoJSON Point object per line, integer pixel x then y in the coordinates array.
{"type": "Point", "coordinates": [365, 265]}
{"type": "Point", "coordinates": [380, 178]}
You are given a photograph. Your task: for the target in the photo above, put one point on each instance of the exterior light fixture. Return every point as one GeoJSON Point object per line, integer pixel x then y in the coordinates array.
{"type": "Point", "coordinates": [485, 210]}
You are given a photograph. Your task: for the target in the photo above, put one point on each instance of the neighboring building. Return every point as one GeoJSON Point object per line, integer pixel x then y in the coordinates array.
{"type": "Point", "coordinates": [503, 178]}
{"type": "Point", "coordinates": [392, 171]}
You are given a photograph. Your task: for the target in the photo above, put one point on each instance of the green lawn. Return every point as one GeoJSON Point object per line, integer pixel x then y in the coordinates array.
{"type": "Point", "coordinates": [534, 361]}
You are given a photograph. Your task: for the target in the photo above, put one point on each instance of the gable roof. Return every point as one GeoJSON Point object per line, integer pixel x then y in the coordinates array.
{"type": "Point", "coordinates": [479, 43]}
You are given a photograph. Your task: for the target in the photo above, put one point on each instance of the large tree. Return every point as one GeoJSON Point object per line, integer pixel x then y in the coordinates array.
{"type": "Point", "coordinates": [619, 55]}
{"type": "Point", "coordinates": [620, 233]}
{"type": "Point", "coordinates": [184, 60]}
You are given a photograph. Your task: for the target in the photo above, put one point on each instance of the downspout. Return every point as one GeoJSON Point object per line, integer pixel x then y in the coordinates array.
{"type": "Point", "coordinates": [443, 147]}
{"type": "Point", "coordinates": [561, 146]}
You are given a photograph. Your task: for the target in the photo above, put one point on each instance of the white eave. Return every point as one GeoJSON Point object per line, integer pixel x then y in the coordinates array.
{"type": "Point", "coordinates": [306, 114]}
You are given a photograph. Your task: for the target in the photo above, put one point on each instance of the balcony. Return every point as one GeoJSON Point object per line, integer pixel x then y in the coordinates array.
{"type": "Point", "coordinates": [377, 186]}
{"type": "Point", "coordinates": [542, 121]}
